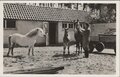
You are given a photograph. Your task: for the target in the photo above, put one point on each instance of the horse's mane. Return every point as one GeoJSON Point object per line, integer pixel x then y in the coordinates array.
{"type": "Point", "coordinates": [32, 33]}
{"type": "Point", "coordinates": [65, 32]}
{"type": "Point", "coordinates": [66, 36]}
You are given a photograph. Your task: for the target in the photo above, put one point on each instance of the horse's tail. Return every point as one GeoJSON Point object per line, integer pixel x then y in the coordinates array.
{"type": "Point", "coordinates": [9, 40]}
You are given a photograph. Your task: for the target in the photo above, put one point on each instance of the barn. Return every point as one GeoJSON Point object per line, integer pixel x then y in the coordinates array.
{"type": "Point", "coordinates": [20, 18]}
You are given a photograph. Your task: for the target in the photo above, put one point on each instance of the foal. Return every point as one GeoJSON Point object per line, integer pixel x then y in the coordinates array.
{"type": "Point", "coordinates": [66, 41]}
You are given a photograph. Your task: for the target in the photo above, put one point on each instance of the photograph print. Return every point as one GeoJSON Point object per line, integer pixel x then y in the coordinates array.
{"type": "Point", "coordinates": [59, 38]}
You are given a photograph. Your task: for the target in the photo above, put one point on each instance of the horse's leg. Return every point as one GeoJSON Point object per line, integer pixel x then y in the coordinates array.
{"type": "Point", "coordinates": [33, 50]}
{"type": "Point", "coordinates": [9, 39]}
{"type": "Point", "coordinates": [68, 48]}
{"type": "Point", "coordinates": [9, 51]}
{"type": "Point", "coordinates": [29, 50]}
{"type": "Point", "coordinates": [81, 48]}
{"type": "Point", "coordinates": [78, 48]}
{"type": "Point", "coordinates": [64, 47]}
{"type": "Point", "coordinates": [77, 44]}
{"type": "Point", "coordinates": [12, 48]}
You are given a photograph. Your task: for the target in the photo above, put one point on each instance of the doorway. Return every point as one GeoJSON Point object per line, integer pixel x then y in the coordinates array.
{"type": "Point", "coordinates": [52, 33]}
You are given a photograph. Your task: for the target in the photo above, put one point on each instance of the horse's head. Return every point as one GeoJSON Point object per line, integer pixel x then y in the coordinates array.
{"type": "Point", "coordinates": [41, 32]}
{"type": "Point", "coordinates": [66, 32]}
{"type": "Point", "coordinates": [76, 24]}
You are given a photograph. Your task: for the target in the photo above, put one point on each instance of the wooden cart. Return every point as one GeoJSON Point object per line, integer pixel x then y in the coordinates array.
{"type": "Point", "coordinates": [105, 41]}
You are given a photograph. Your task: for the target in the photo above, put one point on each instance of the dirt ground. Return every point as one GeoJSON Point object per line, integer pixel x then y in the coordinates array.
{"type": "Point", "coordinates": [97, 63]}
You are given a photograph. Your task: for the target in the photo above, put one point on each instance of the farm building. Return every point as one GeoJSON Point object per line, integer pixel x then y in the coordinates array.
{"type": "Point", "coordinates": [22, 18]}
{"type": "Point", "coordinates": [19, 18]}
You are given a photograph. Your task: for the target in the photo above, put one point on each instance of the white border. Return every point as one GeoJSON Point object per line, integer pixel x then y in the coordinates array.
{"type": "Point", "coordinates": [1, 38]}
{"type": "Point", "coordinates": [56, 75]}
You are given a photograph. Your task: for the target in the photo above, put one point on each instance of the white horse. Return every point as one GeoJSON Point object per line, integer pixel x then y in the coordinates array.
{"type": "Point", "coordinates": [28, 39]}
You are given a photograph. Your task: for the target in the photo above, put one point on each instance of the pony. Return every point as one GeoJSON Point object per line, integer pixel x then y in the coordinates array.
{"type": "Point", "coordinates": [78, 38]}
{"type": "Point", "coordinates": [82, 35]}
{"type": "Point", "coordinates": [66, 41]}
{"type": "Point", "coordinates": [29, 40]}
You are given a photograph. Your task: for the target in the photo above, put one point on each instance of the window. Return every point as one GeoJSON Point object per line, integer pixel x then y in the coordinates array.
{"type": "Point", "coordinates": [9, 24]}
{"type": "Point", "coordinates": [64, 25]}
{"type": "Point", "coordinates": [70, 25]}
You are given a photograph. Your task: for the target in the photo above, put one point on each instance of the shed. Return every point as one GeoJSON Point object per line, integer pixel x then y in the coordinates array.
{"type": "Point", "coordinates": [20, 18]}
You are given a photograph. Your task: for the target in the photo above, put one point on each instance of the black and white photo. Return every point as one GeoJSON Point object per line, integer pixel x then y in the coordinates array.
{"type": "Point", "coordinates": [74, 38]}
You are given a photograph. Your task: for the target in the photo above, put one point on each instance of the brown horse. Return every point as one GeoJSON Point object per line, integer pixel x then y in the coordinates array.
{"type": "Point", "coordinates": [82, 35]}
{"type": "Point", "coordinates": [66, 41]}
{"type": "Point", "coordinates": [78, 37]}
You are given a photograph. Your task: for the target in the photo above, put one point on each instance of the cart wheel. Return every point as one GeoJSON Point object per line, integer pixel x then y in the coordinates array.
{"type": "Point", "coordinates": [91, 46]}
{"type": "Point", "coordinates": [100, 46]}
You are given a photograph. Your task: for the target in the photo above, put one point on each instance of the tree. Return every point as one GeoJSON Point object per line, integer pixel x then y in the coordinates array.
{"type": "Point", "coordinates": [102, 13]}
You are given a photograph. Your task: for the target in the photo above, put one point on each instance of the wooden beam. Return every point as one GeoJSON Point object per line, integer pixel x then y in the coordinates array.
{"type": "Point", "coordinates": [45, 70]}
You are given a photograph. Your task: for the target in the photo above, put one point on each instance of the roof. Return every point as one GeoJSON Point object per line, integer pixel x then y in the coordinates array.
{"type": "Point", "coordinates": [27, 12]}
